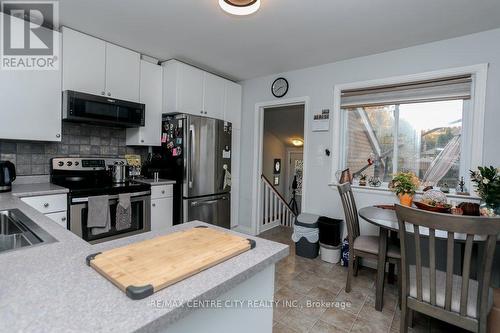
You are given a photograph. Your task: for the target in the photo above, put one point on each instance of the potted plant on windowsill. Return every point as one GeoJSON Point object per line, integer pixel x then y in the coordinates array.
{"type": "Point", "coordinates": [487, 183]}
{"type": "Point", "coordinates": [405, 184]}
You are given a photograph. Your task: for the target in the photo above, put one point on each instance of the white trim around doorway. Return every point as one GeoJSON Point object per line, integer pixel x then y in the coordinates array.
{"type": "Point", "coordinates": [258, 141]}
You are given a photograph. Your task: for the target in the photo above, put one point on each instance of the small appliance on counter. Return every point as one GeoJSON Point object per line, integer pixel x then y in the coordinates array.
{"type": "Point", "coordinates": [90, 183]}
{"type": "Point", "coordinates": [7, 175]}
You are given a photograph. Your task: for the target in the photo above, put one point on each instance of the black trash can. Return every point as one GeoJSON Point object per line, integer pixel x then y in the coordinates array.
{"type": "Point", "coordinates": [303, 247]}
{"type": "Point", "coordinates": [330, 231]}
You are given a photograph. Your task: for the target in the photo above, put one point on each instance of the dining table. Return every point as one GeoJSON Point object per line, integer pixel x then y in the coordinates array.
{"type": "Point", "coordinates": [386, 219]}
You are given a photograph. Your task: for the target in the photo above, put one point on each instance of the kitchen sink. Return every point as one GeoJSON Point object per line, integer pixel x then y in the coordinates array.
{"type": "Point", "coordinates": [18, 231]}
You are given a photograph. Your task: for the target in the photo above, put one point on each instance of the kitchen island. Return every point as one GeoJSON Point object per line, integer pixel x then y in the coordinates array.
{"type": "Point", "coordinates": [50, 288]}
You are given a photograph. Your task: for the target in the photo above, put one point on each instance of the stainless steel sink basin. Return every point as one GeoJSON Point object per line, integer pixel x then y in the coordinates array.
{"type": "Point", "coordinates": [18, 231]}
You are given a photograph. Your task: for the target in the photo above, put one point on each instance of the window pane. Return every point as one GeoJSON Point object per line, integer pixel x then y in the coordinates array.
{"type": "Point", "coordinates": [369, 134]}
{"type": "Point", "coordinates": [429, 141]}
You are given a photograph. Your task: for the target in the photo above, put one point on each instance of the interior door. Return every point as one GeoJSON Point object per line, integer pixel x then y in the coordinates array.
{"type": "Point", "coordinates": [295, 168]}
{"type": "Point", "coordinates": [201, 156]}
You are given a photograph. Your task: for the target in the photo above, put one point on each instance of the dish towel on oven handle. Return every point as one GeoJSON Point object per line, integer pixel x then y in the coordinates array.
{"type": "Point", "coordinates": [123, 212]}
{"type": "Point", "coordinates": [98, 217]}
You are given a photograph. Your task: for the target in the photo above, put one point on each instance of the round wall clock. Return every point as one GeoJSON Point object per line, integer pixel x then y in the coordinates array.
{"type": "Point", "coordinates": [279, 88]}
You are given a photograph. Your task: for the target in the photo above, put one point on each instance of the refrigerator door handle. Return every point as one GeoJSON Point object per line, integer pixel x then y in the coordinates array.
{"type": "Point", "coordinates": [191, 153]}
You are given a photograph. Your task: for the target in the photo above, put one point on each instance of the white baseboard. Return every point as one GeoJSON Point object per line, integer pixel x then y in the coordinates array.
{"type": "Point", "coordinates": [243, 230]}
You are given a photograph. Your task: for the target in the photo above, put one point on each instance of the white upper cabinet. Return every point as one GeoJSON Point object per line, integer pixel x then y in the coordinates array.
{"type": "Point", "coordinates": [31, 104]}
{"type": "Point", "coordinates": [151, 89]}
{"type": "Point", "coordinates": [190, 90]}
{"type": "Point", "coordinates": [122, 73]}
{"type": "Point", "coordinates": [93, 66]}
{"type": "Point", "coordinates": [232, 107]}
{"type": "Point", "coordinates": [214, 91]}
{"type": "Point", "coordinates": [183, 88]}
{"type": "Point", "coordinates": [84, 62]}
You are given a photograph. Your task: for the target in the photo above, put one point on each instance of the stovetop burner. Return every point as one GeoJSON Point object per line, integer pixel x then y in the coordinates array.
{"type": "Point", "coordinates": [89, 177]}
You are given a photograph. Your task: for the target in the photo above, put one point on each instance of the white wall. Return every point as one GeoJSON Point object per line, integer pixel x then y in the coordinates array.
{"type": "Point", "coordinates": [274, 148]}
{"type": "Point", "coordinates": [317, 83]}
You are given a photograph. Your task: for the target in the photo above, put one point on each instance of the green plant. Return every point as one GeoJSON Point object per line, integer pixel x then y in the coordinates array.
{"type": "Point", "coordinates": [405, 183]}
{"type": "Point", "coordinates": [487, 183]}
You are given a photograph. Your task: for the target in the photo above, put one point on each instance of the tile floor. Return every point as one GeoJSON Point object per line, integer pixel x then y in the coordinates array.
{"type": "Point", "coordinates": [312, 298]}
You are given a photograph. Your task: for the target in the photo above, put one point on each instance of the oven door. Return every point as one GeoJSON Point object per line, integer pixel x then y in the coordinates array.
{"type": "Point", "coordinates": [141, 218]}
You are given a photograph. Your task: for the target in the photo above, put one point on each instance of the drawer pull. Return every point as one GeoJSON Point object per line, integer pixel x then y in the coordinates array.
{"type": "Point", "coordinates": [163, 192]}
{"type": "Point", "coordinates": [46, 205]}
{"type": "Point", "coordinates": [63, 219]}
{"type": "Point", "coordinates": [154, 205]}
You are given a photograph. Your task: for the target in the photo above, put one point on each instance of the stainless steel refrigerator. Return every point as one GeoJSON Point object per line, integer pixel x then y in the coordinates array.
{"type": "Point", "coordinates": [196, 151]}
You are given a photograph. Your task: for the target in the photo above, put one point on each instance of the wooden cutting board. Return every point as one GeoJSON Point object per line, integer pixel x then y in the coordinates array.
{"type": "Point", "coordinates": [143, 268]}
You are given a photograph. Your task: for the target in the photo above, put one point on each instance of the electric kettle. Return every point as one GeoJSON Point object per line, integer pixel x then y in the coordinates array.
{"type": "Point", "coordinates": [7, 175]}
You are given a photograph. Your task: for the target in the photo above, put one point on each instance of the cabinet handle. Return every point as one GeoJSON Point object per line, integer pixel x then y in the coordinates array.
{"type": "Point", "coordinates": [109, 94]}
{"type": "Point", "coordinates": [154, 205]}
{"type": "Point", "coordinates": [58, 135]}
{"type": "Point", "coordinates": [142, 141]}
{"type": "Point", "coordinates": [163, 192]}
{"type": "Point", "coordinates": [63, 219]}
{"type": "Point", "coordinates": [46, 205]}
{"type": "Point", "coordinates": [201, 111]}
{"type": "Point", "coordinates": [103, 93]}
{"type": "Point", "coordinates": [205, 112]}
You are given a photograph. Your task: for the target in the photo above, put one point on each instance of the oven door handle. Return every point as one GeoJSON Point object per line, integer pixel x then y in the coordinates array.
{"type": "Point", "coordinates": [112, 197]}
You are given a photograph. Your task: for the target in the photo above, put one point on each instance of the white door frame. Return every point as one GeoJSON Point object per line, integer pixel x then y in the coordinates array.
{"type": "Point", "coordinates": [258, 141]}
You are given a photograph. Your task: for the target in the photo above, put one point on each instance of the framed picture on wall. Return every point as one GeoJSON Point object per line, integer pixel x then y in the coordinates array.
{"type": "Point", "coordinates": [277, 166]}
{"type": "Point", "coordinates": [276, 181]}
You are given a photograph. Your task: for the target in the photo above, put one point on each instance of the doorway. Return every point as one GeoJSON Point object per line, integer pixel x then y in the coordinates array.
{"type": "Point", "coordinates": [280, 131]}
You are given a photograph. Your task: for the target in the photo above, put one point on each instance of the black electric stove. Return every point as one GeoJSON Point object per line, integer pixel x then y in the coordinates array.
{"type": "Point", "coordinates": [86, 177]}
{"type": "Point", "coordinates": [89, 177]}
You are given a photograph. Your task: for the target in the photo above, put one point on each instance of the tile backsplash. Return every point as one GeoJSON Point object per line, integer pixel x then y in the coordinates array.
{"type": "Point", "coordinates": [33, 157]}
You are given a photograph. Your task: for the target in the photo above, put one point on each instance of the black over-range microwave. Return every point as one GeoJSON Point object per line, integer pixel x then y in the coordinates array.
{"type": "Point", "coordinates": [81, 107]}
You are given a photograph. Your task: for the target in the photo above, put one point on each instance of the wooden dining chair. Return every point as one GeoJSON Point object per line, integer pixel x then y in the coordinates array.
{"type": "Point", "coordinates": [362, 246]}
{"type": "Point", "coordinates": [452, 298]}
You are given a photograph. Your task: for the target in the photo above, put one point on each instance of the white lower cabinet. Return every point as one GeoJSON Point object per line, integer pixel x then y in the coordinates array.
{"type": "Point", "coordinates": [60, 218]}
{"type": "Point", "coordinates": [161, 207]}
{"type": "Point", "coordinates": [53, 206]}
{"type": "Point", "coordinates": [161, 214]}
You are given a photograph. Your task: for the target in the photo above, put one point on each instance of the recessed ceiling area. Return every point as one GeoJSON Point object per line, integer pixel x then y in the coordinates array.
{"type": "Point", "coordinates": [282, 35]}
{"type": "Point", "coordinates": [285, 122]}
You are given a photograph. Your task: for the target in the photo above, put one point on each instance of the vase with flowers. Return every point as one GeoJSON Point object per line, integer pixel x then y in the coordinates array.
{"type": "Point", "coordinates": [486, 181]}
{"type": "Point", "coordinates": [405, 184]}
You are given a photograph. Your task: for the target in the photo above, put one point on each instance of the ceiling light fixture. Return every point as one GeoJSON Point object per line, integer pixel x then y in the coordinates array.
{"type": "Point", "coordinates": [297, 142]}
{"type": "Point", "coordinates": [240, 7]}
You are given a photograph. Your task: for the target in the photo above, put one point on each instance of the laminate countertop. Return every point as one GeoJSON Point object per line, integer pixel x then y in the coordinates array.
{"type": "Point", "coordinates": [36, 189]}
{"type": "Point", "coordinates": [49, 288]}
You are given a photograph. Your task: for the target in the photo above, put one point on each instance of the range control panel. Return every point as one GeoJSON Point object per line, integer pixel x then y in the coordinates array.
{"type": "Point", "coordinates": [84, 164]}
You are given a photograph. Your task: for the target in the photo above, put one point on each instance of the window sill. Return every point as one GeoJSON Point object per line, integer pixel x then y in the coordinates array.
{"type": "Point", "coordinates": [385, 191]}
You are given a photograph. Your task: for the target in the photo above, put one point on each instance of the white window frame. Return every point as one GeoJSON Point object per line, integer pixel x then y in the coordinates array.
{"type": "Point", "coordinates": [472, 122]}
